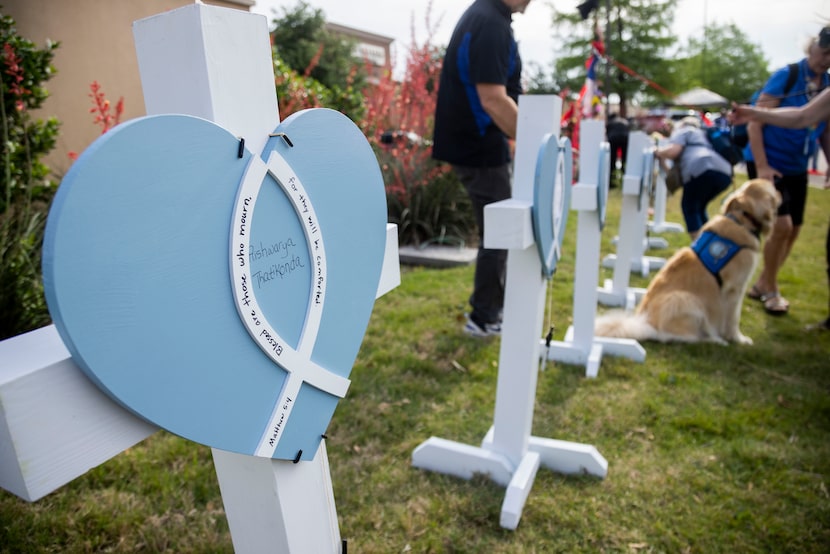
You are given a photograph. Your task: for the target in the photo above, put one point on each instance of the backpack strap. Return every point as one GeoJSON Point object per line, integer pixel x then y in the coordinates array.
{"type": "Point", "coordinates": [792, 76]}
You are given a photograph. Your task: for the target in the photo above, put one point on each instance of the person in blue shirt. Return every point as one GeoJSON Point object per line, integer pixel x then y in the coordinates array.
{"type": "Point", "coordinates": [475, 114]}
{"type": "Point", "coordinates": [817, 110]}
{"type": "Point", "coordinates": [781, 155]}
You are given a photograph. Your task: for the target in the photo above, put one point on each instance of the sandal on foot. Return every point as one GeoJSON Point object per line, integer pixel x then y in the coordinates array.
{"type": "Point", "coordinates": [756, 294]}
{"type": "Point", "coordinates": [775, 304]}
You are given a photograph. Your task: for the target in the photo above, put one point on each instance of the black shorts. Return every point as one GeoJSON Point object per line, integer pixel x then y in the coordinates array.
{"type": "Point", "coordinates": [793, 189]}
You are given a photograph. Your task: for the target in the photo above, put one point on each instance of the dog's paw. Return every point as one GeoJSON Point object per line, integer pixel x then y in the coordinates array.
{"type": "Point", "coordinates": [743, 339]}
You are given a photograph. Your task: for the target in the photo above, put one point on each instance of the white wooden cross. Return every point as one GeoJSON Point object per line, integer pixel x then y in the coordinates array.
{"type": "Point", "coordinates": [632, 241]}
{"type": "Point", "coordinates": [214, 63]}
{"type": "Point", "coordinates": [508, 453]}
{"type": "Point", "coordinates": [658, 223]}
{"type": "Point", "coordinates": [580, 346]}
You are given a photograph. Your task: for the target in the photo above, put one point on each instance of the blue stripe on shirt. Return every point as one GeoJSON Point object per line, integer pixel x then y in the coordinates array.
{"type": "Point", "coordinates": [482, 119]}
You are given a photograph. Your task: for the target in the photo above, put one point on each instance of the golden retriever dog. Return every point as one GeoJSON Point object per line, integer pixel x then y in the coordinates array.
{"type": "Point", "coordinates": [688, 302]}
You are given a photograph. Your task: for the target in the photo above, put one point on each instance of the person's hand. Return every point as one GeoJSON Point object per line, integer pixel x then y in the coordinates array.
{"type": "Point", "coordinates": [768, 172]}
{"type": "Point", "coordinates": [740, 114]}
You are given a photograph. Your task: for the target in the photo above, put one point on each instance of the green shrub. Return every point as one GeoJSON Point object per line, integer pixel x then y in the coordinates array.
{"type": "Point", "coordinates": [26, 188]}
{"type": "Point", "coordinates": [436, 211]}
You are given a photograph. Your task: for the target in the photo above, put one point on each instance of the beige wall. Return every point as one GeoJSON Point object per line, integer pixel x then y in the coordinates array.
{"type": "Point", "coordinates": [96, 45]}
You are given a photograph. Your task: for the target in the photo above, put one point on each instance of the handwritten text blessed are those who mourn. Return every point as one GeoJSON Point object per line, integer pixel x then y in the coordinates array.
{"type": "Point", "coordinates": [264, 262]}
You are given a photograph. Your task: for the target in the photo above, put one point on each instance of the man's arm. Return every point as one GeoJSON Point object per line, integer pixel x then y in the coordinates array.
{"type": "Point", "coordinates": [811, 113]}
{"type": "Point", "coordinates": [754, 131]}
{"type": "Point", "coordinates": [499, 106]}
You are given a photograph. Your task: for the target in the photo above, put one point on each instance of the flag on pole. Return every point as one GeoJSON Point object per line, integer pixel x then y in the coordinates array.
{"type": "Point", "coordinates": [589, 89]}
{"type": "Point", "coordinates": [587, 7]}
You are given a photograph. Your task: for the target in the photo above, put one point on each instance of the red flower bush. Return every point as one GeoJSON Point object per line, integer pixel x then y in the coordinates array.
{"type": "Point", "coordinates": [104, 116]}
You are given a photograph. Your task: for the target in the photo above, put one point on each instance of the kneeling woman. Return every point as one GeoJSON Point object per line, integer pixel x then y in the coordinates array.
{"type": "Point", "coordinates": [704, 172]}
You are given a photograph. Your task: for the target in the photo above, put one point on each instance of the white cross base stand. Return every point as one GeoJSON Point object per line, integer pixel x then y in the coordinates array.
{"type": "Point", "coordinates": [508, 453]}
{"type": "Point", "coordinates": [658, 222]}
{"type": "Point", "coordinates": [580, 346]}
{"type": "Point", "coordinates": [213, 63]}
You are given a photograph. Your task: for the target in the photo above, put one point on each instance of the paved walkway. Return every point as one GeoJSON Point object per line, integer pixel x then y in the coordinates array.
{"type": "Point", "coordinates": [817, 181]}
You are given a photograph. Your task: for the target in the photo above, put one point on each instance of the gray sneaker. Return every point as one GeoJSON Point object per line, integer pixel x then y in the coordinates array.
{"type": "Point", "coordinates": [475, 330]}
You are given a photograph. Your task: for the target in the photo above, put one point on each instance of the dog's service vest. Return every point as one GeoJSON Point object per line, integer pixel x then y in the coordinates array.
{"type": "Point", "coordinates": [715, 252]}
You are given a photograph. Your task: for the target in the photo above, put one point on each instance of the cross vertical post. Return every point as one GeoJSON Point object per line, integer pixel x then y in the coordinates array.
{"type": "Point", "coordinates": [658, 222]}
{"type": "Point", "coordinates": [524, 292]}
{"type": "Point", "coordinates": [509, 455]}
{"type": "Point", "coordinates": [631, 242]}
{"type": "Point", "coordinates": [216, 63]}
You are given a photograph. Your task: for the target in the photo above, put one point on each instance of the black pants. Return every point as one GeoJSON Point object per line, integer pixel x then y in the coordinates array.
{"type": "Point", "coordinates": [618, 143]}
{"type": "Point", "coordinates": [485, 185]}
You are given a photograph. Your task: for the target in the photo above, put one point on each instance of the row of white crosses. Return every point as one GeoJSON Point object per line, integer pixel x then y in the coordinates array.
{"type": "Point", "coordinates": [580, 346]}
{"type": "Point", "coordinates": [509, 454]}
{"type": "Point", "coordinates": [221, 63]}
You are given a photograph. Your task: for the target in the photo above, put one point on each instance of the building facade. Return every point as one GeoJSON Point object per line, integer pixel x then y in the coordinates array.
{"type": "Point", "coordinates": [96, 44]}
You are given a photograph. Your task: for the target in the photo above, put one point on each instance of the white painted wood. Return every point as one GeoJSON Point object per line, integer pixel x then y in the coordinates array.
{"type": "Point", "coordinates": [524, 294]}
{"type": "Point", "coordinates": [509, 225]}
{"type": "Point", "coordinates": [655, 243]}
{"type": "Point", "coordinates": [580, 346]}
{"type": "Point", "coordinates": [518, 491]}
{"type": "Point", "coordinates": [505, 454]}
{"type": "Point", "coordinates": [588, 238]}
{"type": "Point", "coordinates": [642, 265]}
{"type": "Point", "coordinates": [55, 424]}
{"type": "Point", "coordinates": [390, 276]}
{"type": "Point", "coordinates": [658, 222]}
{"type": "Point", "coordinates": [210, 62]}
{"type": "Point", "coordinates": [462, 460]}
{"type": "Point", "coordinates": [570, 458]}
{"type": "Point", "coordinates": [632, 230]}
{"type": "Point", "coordinates": [584, 199]}
{"type": "Point", "coordinates": [284, 514]}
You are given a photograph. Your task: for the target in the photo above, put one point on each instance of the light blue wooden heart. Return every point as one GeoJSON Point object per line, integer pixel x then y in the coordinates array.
{"type": "Point", "coordinates": [138, 263]}
{"type": "Point", "coordinates": [551, 199]}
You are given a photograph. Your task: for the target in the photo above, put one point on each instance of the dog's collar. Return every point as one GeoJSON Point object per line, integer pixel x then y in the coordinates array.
{"type": "Point", "coordinates": [756, 225]}
{"type": "Point", "coordinates": [714, 252]}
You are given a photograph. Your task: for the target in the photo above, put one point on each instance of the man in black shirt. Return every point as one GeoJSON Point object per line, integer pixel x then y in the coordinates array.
{"type": "Point", "coordinates": [476, 113]}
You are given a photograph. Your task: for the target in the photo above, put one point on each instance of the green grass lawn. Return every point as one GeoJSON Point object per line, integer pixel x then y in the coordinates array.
{"type": "Point", "coordinates": [711, 449]}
